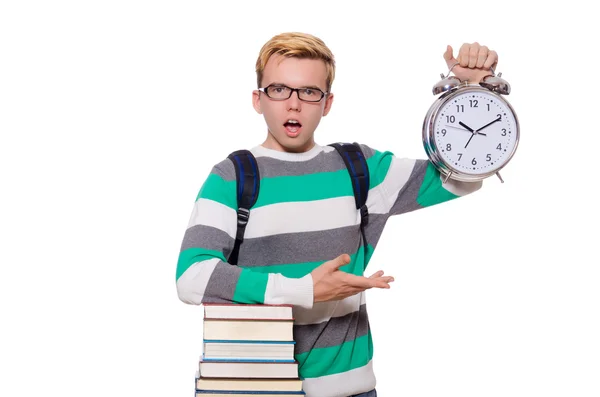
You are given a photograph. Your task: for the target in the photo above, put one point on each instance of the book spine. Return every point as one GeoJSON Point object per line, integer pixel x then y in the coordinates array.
{"type": "Point", "coordinates": [266, 342]}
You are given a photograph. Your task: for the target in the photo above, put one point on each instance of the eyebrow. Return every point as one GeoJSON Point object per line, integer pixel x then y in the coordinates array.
{"type": "Point", "coordinates": [305, 86]}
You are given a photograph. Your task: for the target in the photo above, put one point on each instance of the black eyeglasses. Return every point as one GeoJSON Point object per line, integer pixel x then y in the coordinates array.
{"type": "Point", "coordinates": [278, 92]}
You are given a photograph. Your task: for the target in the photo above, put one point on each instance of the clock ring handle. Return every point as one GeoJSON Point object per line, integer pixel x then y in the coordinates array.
{"type": "Point", "coordinates": [450, 70]}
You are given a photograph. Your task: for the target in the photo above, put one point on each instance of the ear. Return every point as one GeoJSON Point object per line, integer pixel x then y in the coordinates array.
{"type": "Point", "coordinates": [328, 103]}
{"type": "Point", "coordinates": [256, 101]}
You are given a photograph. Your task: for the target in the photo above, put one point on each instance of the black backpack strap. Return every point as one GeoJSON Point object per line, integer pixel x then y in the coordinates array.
{"type": "Point", "coordinates": [356, 164]}
{"type": "Point", "coordinates": [248, 185]}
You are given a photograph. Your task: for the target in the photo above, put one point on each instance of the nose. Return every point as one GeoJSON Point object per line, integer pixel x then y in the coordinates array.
{"type": "Point", "coordinates": [294, 102]}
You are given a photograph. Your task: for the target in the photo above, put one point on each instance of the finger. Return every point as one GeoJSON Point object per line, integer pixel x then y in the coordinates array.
{"type": "Point", "coordinates": [481, 56]}
{"type": "Point", "coordinates": [379, 273]}
{"type": "Point", "coordinates": [338, 262]}
{"type": "Point", "coordinates": [491, 60]}
{"type": "Point", "coordinates": [463, 55]}
{"type": "Point", "coordinates": [354, 281]}
{"type": "Point", "coordinates": [384, 282]}
{"type": "Point", "coordinates": [473, 51]}
{"type": "Point", "coordinates": [365, 283]}
{"type": "Point", "coordinates": [387, 279]}
{"type": "Point", "coordinates": [449, 57]}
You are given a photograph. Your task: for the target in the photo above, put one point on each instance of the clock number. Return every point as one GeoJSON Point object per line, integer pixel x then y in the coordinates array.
{"type": "Point", "coordinates": [444, 132]}
{"type": "Point", "coordinates": [474, 103]}
{"type": "Point", "coordinates": [448, 147]}
{"type": "Point", "coordinates": [474, 162]}
{"type": "Point", "coordinates": [503, 131]}
{"type": "Point", "coordinates": [499, 116]}
{"type": "Point", "coordinates": [450, 119]}
{"type": "Point", "coordinates": [460, 108]}
{"type": "Point", "coordinates": [488, 157]}
{"type": "Point", "coordinates": [488, 105]}
{"type": "Point", "coordinates": [499, 147]}
{"type": "Point", "coordinates": [459, 156]}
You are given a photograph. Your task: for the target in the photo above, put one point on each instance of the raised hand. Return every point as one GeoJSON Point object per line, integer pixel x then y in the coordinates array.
{"type": "Point", "coordinates": [474, 61]}
{"type": "Point", "coordinates": [330, 283]}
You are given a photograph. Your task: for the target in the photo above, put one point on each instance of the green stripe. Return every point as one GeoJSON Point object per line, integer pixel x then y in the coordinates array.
{"type": "Point", "coordinates": [310, 187]}
{"type": "Point", "coordinates": [301, 269]}
{"type": "Point", "coordinates": [192, 255]}
{"type": "Point", "coordinates": [379, 165]}
{"type": "Point", "coordinates": [281, 189]}
{"type": "Point", "coordinates": [432, 191]}
{"type": "Point", "coordinates": [217, 189]}
{"type": "Point", "coordinates": [251, 287]}
{"type": "Point", "coordinates": [336, 359]}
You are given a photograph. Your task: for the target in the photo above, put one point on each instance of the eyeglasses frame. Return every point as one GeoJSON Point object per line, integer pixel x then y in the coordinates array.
{"type": "Point", "coordinates": [297, 90]}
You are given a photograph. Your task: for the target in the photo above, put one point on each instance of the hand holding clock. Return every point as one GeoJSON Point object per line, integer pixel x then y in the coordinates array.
{"type": "Point", "coordinates": [474, 61]}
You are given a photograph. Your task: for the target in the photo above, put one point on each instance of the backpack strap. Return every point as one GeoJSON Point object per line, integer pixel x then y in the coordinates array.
{"type": "Point", "coordinates": [356, 164]}
{"type": "Point", "coordinates": [248, 185]}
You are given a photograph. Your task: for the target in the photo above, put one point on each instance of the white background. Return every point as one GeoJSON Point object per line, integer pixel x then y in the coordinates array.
{"type": "Point", "coordinates": [113, 112]}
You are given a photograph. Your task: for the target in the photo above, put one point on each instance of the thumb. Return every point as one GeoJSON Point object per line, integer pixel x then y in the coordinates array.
{"type": "Point", "coordinates": [449, 57]}
{"type": "Point", "coordinates": [340, 261]}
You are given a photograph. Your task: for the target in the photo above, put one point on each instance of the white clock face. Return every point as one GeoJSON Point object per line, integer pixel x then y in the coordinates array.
{"type": "Point", "coordinates": [475, 132]}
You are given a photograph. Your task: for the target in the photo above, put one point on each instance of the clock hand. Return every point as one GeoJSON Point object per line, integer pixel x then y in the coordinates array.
{"type": "Point", "coordinates": [488, 124]}
{"type": "Point", "coordinates": [472, 135]}
{"type": "Point", "coordinates": [462, 129]}
{"type": "Point", "coordinates": [466, 126]}
{"type": "Point", "coordinates": [473, 132]}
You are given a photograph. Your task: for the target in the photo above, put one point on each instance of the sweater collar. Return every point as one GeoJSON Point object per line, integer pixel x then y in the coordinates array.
{"type": "Point", "coordinates": [261, 151]}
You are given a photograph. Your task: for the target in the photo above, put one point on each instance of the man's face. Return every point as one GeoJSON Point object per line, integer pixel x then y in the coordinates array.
{"type": "Point", "coordinates": [295, 73]}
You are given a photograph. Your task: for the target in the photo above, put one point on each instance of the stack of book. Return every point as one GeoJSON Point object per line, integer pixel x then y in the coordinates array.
{"type": "Point", "coordinates": [248, 350]}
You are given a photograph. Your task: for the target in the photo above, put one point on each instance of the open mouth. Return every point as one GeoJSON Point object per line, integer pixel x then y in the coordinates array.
{"type": "Point", "coordinates": [292, 127]}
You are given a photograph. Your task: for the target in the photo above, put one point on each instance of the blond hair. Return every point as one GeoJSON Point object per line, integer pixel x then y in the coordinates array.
{"type": "Point", "coordinates": [296, 45]}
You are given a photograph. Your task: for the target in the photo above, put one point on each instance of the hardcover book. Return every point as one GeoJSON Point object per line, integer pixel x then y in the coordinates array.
{"type": "Point", "coordinates": [247, 311]}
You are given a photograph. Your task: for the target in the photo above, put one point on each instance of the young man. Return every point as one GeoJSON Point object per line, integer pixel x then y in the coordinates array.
{"type": "Point", "coordinates": [303, 243]}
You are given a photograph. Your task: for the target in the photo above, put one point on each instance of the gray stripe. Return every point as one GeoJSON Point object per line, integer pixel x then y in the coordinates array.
{"type": "Point", "coordinates": [269, 167]}
{"type": "Point", "coordinates": [287, 248]}
{"type": "Point", "coordinates": [300, 247]}
{"type": "Point", "coordinates": [407, 197]}
{"type": "Point", "coordinates": [333, 332]}
{"type": "Point", "coordinates": [222, 282]}
{"type": "Point", "coordinates": [207, 237]}
{"type": "Point", "coordinates": [322, 162]}
{"type": "Point", "coordinates": [374, 228]}
{"type": "Point", "coordinates": [225, 170]}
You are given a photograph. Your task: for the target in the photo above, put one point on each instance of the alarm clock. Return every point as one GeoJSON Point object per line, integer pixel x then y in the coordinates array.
{"type": "Point", "coordinates": [471, 131]}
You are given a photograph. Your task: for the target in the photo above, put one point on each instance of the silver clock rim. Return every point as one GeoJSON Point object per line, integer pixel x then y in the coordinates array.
{"type": "Point", "coordinates": [429, 135]}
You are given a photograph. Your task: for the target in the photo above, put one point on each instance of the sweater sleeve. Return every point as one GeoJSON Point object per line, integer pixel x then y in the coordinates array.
{"type": "Point", "coordinates": [403, 185]}
{"type": "Point", "coordinates": [203, 274]}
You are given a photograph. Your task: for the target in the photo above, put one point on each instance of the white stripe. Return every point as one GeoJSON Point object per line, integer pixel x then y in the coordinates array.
{"type": "Point", "coordinates": [383, 196]}
{"type": "Point", "coordinates": [298, 217]}
{"type": "Point", "coordinates": [261, 151]}
{"type": "Point", "coordinates": [192, 283]}
{"type": "Point", "coordinates": [211, 213]}
{"type": "Point", "coordinates": [460, 188]}
{"type": "Point", "coordinates": [289, 291]}
{"type": "Point", "coordinates": [356, 381]}
{"type": "Point", "coordinates": [324, 311]}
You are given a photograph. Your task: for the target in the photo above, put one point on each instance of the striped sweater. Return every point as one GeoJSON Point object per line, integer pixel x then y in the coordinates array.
{"type": "Point", "coordinates": [305, 215]}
